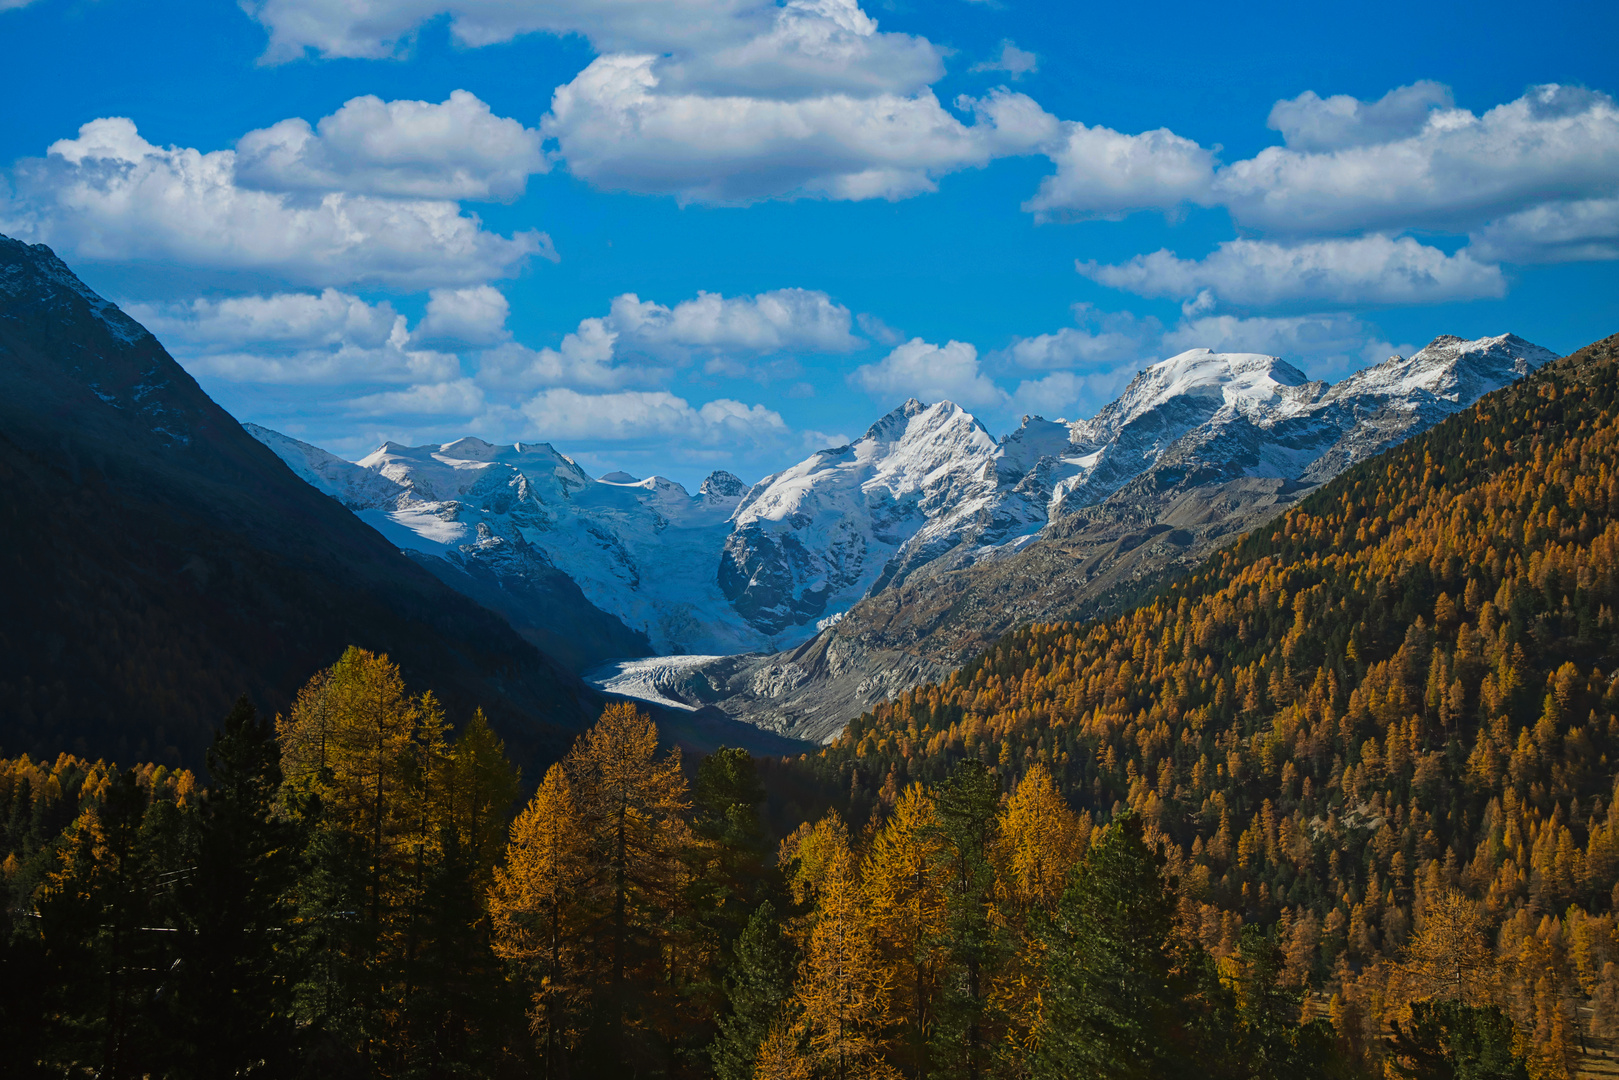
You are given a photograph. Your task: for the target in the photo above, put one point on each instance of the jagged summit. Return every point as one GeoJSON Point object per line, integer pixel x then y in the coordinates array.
{"type": "Point", "coordinates": [1200, 381]}
{"type": "Point", "coordinates": [895, 423]}
{"type": "Point", "coordinates": [720, 484]}
{"type": "Point", "coordinates": [1448, 367]}
{"type": "Point", "coordinates": [814, 538]}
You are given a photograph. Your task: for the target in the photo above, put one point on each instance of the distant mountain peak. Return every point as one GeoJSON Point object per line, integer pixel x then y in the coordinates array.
{"type": "Point", "coordinates": [723, 485]}
{"type": "Point", "coordinates": [894, 422]}
{"type": "Point", "coordinates": [470, 448]}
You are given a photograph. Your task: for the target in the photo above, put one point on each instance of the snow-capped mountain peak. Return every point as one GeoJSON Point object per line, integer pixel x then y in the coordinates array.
{"type": "Point", "coordinates": [1250, 383]}
{"type": "Point", "coordinates": [1448, 368]}
{"type": "Point", "coordinates": [894, 424]}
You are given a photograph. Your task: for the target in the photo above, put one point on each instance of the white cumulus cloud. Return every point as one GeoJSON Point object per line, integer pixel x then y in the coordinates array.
{"type": "Point", "coordinates": [1014, 61]}
{"type": "Point", "coordinates": [764, 323]}
{"type": "Point", "coordinates": [1260, 273]}
{"type": "Point", "coordinates": [1456, 172]}
{"type": "Point", "coordinates": [1106, 173]}
{"type": "Point", "coordinates": [1069, 394]}
{"type": "Point", "coordinates": [618, 127]}
{"type": "Point", "coordinates": [931, 372]}
{"type": "Point", "coordinates": [410, 149]}
{"type": "Point", "coordinates": [614, 350]}
{"type": "Point", "coordinates": [726, 102]}
{"type": "Point", "coordinates": [330, 338]}
{"type": "Point", "coordinates": [1099, 339]}
{"type": "Point", "coordinates": [381, 28]}
{"type": "Point", "coordinates": [1547, 162]}
{"type": "Point", "coordinates": [743, 47]}
{"type": "Point", "coordinates": [642, 416]}
{"type": "Point", "coordinates": [110, 195]}
{"type": "Point", "coordinates": [461, 317]}
{"type": "Point", "coordinates": [1577, 230]}
{"type": "Point", "coordinates": [283, 321]}
{"type": "Point", "coordinates": [440, 400]}
{"type": "Point", "coordinates": [1310, 122]}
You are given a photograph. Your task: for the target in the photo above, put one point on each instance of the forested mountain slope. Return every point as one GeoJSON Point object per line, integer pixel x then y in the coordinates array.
{"type": "Point", "coordinates": [1402, 685]}
{"type": "Point", "coordinates": [158, 561]}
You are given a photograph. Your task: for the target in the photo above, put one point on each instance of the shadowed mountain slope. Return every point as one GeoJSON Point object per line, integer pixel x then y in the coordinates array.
{"type": "Point", "coordinates": [157, 561]}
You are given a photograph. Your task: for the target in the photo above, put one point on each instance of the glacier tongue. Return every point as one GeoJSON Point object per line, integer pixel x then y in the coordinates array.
{"type": "Point", "coordinates": [738, 569]}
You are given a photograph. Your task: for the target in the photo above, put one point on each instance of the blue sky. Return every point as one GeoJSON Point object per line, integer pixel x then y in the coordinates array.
{"type": "Point", "coordinates": [674, 235]}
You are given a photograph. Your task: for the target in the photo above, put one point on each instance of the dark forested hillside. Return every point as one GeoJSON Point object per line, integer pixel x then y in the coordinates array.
{"type": "Point", "coordinates": [156, 561]}
{"type": "Point", "coordinates": [1403, 687]}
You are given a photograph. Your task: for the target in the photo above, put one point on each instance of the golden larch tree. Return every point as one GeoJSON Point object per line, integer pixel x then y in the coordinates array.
{"type": "Point", "coordinates": [843, 987]}
{"type": "Point", "coordinates": [536, 911]}
{"type": "Point", "coordinates": [631, 804]}
{"type": "Point", "coordinates": [904, 881]}
{"type": "Point", "coordinates": [1039, 839]}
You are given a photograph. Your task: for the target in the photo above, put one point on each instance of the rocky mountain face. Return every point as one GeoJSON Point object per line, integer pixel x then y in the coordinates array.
{"type": "Point", "coordinates": [925, 479]}
{"type": "Point", "coordinates": [869, 567]}
{"type": "Point", "coordinates": [159, 561]}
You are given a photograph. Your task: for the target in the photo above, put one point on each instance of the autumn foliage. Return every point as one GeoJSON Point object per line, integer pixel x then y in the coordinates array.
{"type": "Point", "coordinates": [1391, 709]}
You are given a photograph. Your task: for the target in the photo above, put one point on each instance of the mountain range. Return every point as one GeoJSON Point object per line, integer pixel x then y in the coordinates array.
{"type": "Point", "coordinates": [797, 602]}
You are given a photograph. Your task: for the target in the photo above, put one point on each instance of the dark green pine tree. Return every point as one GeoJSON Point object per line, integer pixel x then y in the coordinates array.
{"type": "Point", "coordinates": [105, 930]}
{"type": "Point", "coordinates": [966, 805]}
{"type": "Point", "coordinates": [1448, 1040]}
{"type": "Point", "coordinates": [737, 871]}
{"type": "Point", "coordinates": [731, 868]}
{"type": "Point", "coordinates": [1267, 1042]}
{"type": "Point", "coordinates": [334, 994]}
{"type": "Point", "coordinates": [459, 1007]}
{"type": "Point", "coordinates": [758, 990]}
{"type": "Point", "coordinates": [231, 1012]}
{"type": "Point", "coordinates": [730, 873]}
{"type": "Point", "coordinates": [1118, 999]}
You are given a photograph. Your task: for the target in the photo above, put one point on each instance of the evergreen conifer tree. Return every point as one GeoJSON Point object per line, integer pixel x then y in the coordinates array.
{"type": "Point", "coordinates": [1116, 993]}
{"type": "Point", "coordinates": [1451, 1040]}
{"type": "Point", "coordinates": [966, 809]}
{"type": "Point", "coordinates": [758, 990]}
{"type": "Point", "coordinates": [230, 1015]}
